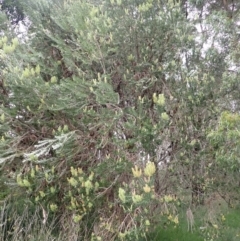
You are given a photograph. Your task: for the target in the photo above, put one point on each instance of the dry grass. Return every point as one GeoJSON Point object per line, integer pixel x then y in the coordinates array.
{"type": "Point", "coordinates": [29, 226]}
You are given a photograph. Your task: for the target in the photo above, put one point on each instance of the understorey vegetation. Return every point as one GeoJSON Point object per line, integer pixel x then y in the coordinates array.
{"type": "Point", "coordinates": [119, 120]}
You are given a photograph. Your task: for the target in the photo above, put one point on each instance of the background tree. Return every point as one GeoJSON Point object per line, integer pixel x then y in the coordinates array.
{"type": "Point", "coordinates": [13, 9]}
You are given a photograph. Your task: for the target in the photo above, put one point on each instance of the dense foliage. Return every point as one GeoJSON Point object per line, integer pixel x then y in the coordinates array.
{"type": "Point", "coordinates": [113, 111]}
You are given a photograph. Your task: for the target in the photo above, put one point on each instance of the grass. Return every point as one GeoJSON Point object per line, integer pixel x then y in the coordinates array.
{"type": "Point", "coordinates": [175, 234]}
{"type": "Point", "coordinates": [29, 227]}
{"type": "Point", "coordinates": [226, 219]}
{"type": "Point", "coordinates": [231, 227]}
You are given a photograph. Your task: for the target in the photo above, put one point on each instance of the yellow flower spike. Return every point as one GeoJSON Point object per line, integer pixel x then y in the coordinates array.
{"type": "Point", "coordinates": [65, 128]}
{"type": "Point", "coordinates": [88, 184]}
{"type": "Point", "coordinates": [53, 207]}
{"type": "Point", "coordinates": [150, 169]}
{"type": "Point", "coordinates": [77, 218]}
{"type": "Point", "coordinates": [215, 226]}
{"type": "Point", "coordinates": [155, 99]}
{"type": "Point", "coordinates": [99, 76]}
{"type": "Point", "coordinates": [137, 172]}
{"type": "Point", "coordinates": [42, 194]}
{"type": "Point", "coordinates": [53, 79]}
{"type": "Point", "coordinates": [153, 196]}
{"type": "Point", "coordinates": [4, 39]}
{"type": "Point", "coordinates": [96, 186]}
{"type": "Point", "coordinates": [80, 171]}
{"type": "Point", "coordinates": [165, 116]}
{"type": "Point", "coordinates": [37, 70]}
{"type": "Point", "coordinates": [168, 198]}
{"type": "Point", "coordinates": [32, 71]}
{"type": "Point", "coordinates": [122, 235]}
{"type": "Point", "coordinates": [146, 188]}
{"type": "Point", "coordinates": [7, 49]}
{"type": "Point", "coordinates": [81, 179]}
{"type": "Point", "coordinates": [161, 100]}
{"type": "Point", "coordinates": [32, 174]}
{"type": "Point", "coordinates": [73, 181]}
{"type": "Point", "coordinates": [175, 220]}
{"type": "Point", "coordinates": [121, 195]}
{"type": "Point", "coordinates": [26, 183]}
{"type": "Point", "coordinates": [119, 2]}
{"type": "Point", "coordinates": [2, 117]}
{"type": "Point", "coordinates": [137, 198]}
{"type": "Point", "coordinates": [73, 203]}
{"type": "Point", "coordinates": [147, 223]}
{"type": "Point", "coordinates": [26, 73]}
{"type": "Point", "coordinates": [19, 180]}
{"type": "Point", "coordinates": [130, 57]}
{"type": "Point", "coordinates": [91, 176]}
{"type": "Point", "coordinates": [52, 189]}
{"type": "Point", "coordinates": [74, 172]}
{"type": "Point", "coordinates": [90, 205]}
